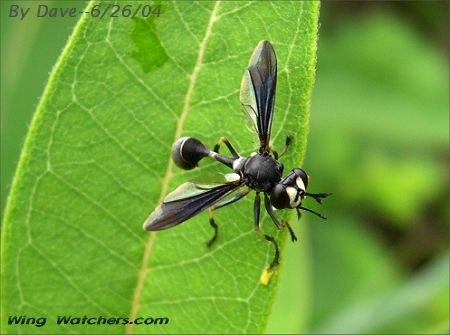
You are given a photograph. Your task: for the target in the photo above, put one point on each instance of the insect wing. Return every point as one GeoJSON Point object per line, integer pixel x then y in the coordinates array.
{"type": "Point", "coordinates": [185, 202]}
{"type": "Point", "coordinates": [258, 89]}
{"type": "Point", "coordinates": [248, 101]}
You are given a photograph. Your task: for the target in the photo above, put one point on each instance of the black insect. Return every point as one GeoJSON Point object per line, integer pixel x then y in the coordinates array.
{"type": "Point", "coordinates": [260, 172]}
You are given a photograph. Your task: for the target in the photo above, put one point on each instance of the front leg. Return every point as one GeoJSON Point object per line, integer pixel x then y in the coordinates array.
{"type": "Point", "coordinates": [277, 223]}
{"type": "Point", "coordinates": [291, 232]}
{"type": "Point", "coordinates": [268, 272]}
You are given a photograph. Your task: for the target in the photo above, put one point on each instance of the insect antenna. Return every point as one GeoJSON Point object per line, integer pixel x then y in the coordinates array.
{"type": "Point", "coordinates": [311, 211]}
{"type": "Point", "coordinates": [318, 197]}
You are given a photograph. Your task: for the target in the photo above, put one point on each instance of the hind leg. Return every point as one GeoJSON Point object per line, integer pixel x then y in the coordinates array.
{"type": "Point", "coordinates": [274, 218]}
{"type": "Point", "coordinates": [213, 223]}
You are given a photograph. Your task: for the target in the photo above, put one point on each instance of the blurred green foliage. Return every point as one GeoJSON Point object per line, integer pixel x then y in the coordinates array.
{"type": "Point", "coordinates": [29, 49]}
{"type": "Point", "coordinates": [378, 141]}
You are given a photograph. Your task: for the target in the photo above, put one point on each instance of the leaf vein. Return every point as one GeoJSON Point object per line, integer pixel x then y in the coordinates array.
{"type": "Point", "coordinates": [164, 187]}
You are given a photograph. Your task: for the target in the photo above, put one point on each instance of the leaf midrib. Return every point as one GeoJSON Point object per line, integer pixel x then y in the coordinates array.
{"type": "Point", "coordinates": [149, 246]}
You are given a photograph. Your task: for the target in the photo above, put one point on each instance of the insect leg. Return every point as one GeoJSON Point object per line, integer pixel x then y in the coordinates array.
{"type": "Point", "coordinates": [277, 223]}
{"type": "Point", "coordinates": [289, 140]}
{"type": "Point", "coordinates": [213, 223]}
{"type": "Point", "coordinates": [291, 232]}
{"type": "Point", "coordinates": [275, 153]}
{"type": "Point", "coordinates": [256, 211]}
{"type": "Point", "coordinates": [271, 212]}
{"type": "Point", "coordinates": [224, 140]}
{"type": "Point", "coordinates": [275, 261]}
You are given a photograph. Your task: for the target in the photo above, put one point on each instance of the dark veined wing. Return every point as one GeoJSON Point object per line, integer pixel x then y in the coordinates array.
{"type": "Point", "coordinates": [186, 201]}
{"type": "Point", "coordinates": [258, 91]}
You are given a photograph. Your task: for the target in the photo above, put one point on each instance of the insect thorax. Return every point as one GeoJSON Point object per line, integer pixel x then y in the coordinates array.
{"type": "Point", "coordinates": [263, 172]}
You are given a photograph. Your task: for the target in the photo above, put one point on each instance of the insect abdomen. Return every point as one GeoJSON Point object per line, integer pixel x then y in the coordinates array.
{"type": "Point", "coordinates": [188, 151]}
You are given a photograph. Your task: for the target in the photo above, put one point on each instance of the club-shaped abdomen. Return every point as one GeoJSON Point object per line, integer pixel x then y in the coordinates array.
{"type": "Point", "coordinates": [188, 151]}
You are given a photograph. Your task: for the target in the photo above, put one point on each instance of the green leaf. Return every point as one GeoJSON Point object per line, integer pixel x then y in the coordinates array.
{"type": "Point", "coordinates": [97, 161]}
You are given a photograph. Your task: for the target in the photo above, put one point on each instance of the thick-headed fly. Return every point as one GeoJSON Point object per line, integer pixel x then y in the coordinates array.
{"type": "Point", "coordinates": [260, 172]}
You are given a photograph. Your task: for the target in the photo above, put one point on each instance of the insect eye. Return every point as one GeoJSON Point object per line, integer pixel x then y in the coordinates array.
{"type": "Point", "coordinates": [279, 197]}
{"type": "Point", "coordinates": [302, 174]}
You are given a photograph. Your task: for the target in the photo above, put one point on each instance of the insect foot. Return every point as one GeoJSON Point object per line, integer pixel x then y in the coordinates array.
{"type": "Point", "coordinates": [266, 275]}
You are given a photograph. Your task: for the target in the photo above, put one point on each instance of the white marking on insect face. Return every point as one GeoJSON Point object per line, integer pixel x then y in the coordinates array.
{"type": "Point", "coordinates": [300, 183]}
{"type": "Point", "coordinates": [232, 177]}
{"type": "Point", "coordinates": [293, 194]}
